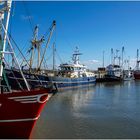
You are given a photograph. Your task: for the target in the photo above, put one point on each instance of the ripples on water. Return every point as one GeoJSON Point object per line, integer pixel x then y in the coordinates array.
{"type": "Point", "coordinates": [105, 110]}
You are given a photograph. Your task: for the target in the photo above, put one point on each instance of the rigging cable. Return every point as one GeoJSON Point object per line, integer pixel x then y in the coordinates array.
{"type": "Point", "coordinates": [19, 49]}
{"type": "Point", "coordinates": [36, 77]}
{"type": "Point", "coordinates": [59, 57]}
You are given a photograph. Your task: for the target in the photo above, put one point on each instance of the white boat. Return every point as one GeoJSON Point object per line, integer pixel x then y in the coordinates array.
{"type": "Point", "coordinates": [73, 75]}
{"type": "Point", "coordinates": [128, 75]}
{"type": "Point", "coordinates": [114, 73]}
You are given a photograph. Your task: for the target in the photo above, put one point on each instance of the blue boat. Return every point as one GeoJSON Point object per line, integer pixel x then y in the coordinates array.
{"type": "Point", "coordinates": [73, 75]}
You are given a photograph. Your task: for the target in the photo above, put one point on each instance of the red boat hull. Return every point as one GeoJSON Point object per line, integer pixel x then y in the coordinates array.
{"type": "Point", "coordinates": [137, 74]}
{"type": "Point", "coordinates": [19, 112]}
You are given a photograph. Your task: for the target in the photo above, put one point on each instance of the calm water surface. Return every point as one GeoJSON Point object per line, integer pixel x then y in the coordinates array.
{"type": "Point", "coordinates": [103, 111]}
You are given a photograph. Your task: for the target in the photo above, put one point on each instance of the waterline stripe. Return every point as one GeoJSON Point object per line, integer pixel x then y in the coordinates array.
{"type": "Point", "coordinates": [20, 120]}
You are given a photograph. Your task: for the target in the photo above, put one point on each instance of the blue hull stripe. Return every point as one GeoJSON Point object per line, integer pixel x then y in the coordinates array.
{"type": "Point", "coordinates": [63, 83]}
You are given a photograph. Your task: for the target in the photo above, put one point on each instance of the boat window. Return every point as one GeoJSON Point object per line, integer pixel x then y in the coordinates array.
{"type": "Point", "coordinates": [63, 68]}
{"type": "Point", "coordinates": [68, 68]}
{"type": "Point", "coordinates": [72, 68]}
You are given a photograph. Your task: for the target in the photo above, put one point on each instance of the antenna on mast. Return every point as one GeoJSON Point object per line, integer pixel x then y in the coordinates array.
{"type": "Point", "coordinates": [75, 57]}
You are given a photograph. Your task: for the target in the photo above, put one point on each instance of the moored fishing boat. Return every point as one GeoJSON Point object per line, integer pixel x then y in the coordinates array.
{"type": "Point", "coordinates": [114, 73]}
{"type": "Point", "coordinates": [19, 109]}
{"type": "Point", "coordinates": [128, 75]}
{"type": "Point", "coordinates": [137, 74]}
{"type": "Point", "coordinates": [73, 75]}
{"type": "Point", "coordinates": [33, 71]}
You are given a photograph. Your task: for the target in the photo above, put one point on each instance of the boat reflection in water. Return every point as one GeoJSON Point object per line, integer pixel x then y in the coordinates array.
{"type": "Point", "coordinates": [107, 110]}
{"type": "Point", "coordinates": [68, 106]}
{"type": "Point", "coordinates": [80, 98]}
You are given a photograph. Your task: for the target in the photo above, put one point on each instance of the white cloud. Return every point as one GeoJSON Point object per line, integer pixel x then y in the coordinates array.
{"type": "Point", "coordinates": [92, 64]}
{"type": "Point", "coordinates": [23, 17]}
{"type": "Point", "coordinates": [91, 61]}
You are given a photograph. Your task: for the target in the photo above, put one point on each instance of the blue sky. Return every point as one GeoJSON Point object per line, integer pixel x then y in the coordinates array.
{"type": "Point", "coordinates": [92, 26]}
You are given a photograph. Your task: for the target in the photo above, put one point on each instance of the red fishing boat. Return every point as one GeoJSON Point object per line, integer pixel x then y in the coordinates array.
{"type": "Point", "coordinates": [19, 109]}
{"type": "Point", "coordinates": [19, 112]}
{"type": "Point", "coordinates": [137, 74]}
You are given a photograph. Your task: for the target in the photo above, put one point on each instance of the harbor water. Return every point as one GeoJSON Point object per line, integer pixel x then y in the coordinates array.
{"type": "Point", "coordinates": [105, 110]}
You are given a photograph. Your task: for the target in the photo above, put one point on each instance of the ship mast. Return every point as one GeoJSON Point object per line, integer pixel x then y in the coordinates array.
{"type": "Point", "coordinates": [36, 44]}
{"type": "Point", "coordinates": [6, 38]}
{"type": "Point", "coordinates": [75, 57]}
{"type": "Point", "coordinates": [117, 57]}
{"type": "Point", "coordinates": [122, 55]}
{"type": "Point", "coordinates": [112, 55]}
{"type": "Point", "coordinates": [8, 9]}
{"type": "Point", "coordinates": [103, 58]}
{"type": "Point", "coordinates": [138, 61]}
{"type": "Point", "coordinates": [50, 35]}
{"type": "Point", "coordinates": [54, 56]}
